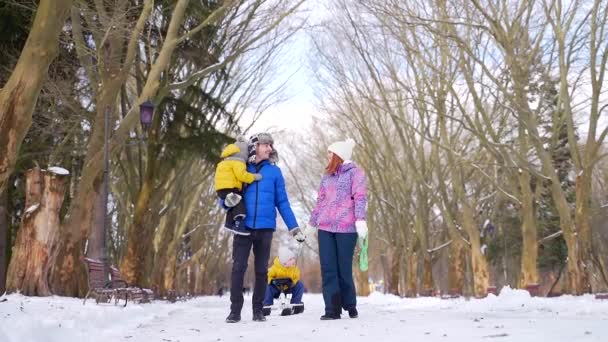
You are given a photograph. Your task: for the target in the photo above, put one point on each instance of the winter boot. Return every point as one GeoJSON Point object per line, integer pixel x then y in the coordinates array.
{"type": "Point", "coordinates": [258, 316]}
{"type": "Point", "coordinates": [330, 316]}
{"type": "Point", "coordinates": [233, 317]}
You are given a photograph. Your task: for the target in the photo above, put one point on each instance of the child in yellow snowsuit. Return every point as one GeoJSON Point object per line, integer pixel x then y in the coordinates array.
{"type": "Point", "coordinates": [284, 266]}
{"type": "Point", "coordinates": [230, 175]}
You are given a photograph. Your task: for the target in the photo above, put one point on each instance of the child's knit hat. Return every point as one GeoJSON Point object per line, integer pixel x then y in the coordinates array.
{"type": "Point", "coordinates": [285, 254]}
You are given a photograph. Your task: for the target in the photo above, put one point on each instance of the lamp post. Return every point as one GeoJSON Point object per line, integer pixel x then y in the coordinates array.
{"type": "Point", "coordinates": [146, 113]}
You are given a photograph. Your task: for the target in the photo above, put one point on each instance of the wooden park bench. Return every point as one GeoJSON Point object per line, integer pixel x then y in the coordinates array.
{"type": "Point", "coordinates": [115, 288]}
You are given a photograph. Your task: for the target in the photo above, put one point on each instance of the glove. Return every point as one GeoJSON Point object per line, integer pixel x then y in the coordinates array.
{"type": "Point", "coordinates": [257, 176]}
{"type": "Point", "coordinates": [232, 199]}
{"type": "Point", "coordinates": [298, 235]}
{"type": "Point", "coordinates": [361, 229]}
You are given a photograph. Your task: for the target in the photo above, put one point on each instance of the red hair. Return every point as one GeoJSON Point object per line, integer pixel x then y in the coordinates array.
{"type": "Point", "coordinates": [334, 164]}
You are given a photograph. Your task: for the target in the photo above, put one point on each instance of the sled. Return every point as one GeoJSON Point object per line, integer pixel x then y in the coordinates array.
{"type": "Point", "coordinates": [284, 306]}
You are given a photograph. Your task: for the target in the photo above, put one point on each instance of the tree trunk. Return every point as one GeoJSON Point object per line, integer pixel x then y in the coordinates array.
{"type": "Point", "coordinates": [95, 243]}
{"type": "Point", "coordinates": [164, 274]}
{"type": "Point", "coordinates": [362, 283]}
{"type": "Point", "coordinates": [170, 272]}
{"type": "Point", "coordinates": [139, 239]}
{"type": "Point", "coordinates": [68, 274]}
{"type": "Point", "coordinates": [457, 255]}
{"type": "Point", "coordinates": [457, 266]}
{"type": "Point", "coordinates": [481, 276]}
{"type": "Point", "coordinates": [4, 243]}
{"type": "Point", "coordinates": [199, 285]}
{"type": "Point", "coordinates": [19, 95]}
{"type": "Point", "coordinates": [529, 254]}
{"type": "Point", "coordinates": [385, 272]}
{"type": "Point", "coordinates": [37, 237]}
{"type": "Point", "coordinates": [184, 214]}
{"type": "Point", "coordinates": [427, 285]}
{"type": "Point", "coordinates": [578, 283]}
{"type": "Point", "coordinates": [411, 288]}
{"type": "Point", "coordinates": [393, 283]}
{"type": "Point", "coordinates": [137, 265]}
{"type": "Point", "coordinates": [583, 226]}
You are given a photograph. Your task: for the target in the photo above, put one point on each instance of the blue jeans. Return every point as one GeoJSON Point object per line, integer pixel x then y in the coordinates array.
{"type": "Point", "coordinates": [336, 252]}
{"type": "Point", "coordinates": [297, 291]}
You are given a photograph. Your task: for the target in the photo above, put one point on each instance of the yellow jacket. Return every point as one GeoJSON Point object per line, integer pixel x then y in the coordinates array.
{"type": "Point", "coordinates": [231, 173]}
{"type": "Point", "coordinates": [277, 270]}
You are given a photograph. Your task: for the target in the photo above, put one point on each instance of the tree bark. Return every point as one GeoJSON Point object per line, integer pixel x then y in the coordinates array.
{"type": "Point", "coordinates": [19, 95]}
{"type": "Point", "coordinates": [362, 283]}
{"type": "Point", "coordinates": [165, 260]}
{"type": "Point", "coordinates": [4, 243]}
{"type": "Point", "coordinates": [581, 222]}
{"type": "Point", "coordinates": [457, 255]}
{"type": "Point", "coordinates": [184, 214]}
{"type": "Point", "coordinates": [96, 238]}
{"type": "Point", "coordinates": [140, 236]}
{"type": "Point", "coordinates": [37, 237]}
{"type": "Point", "coordinates": [456, 267]}
{"type": "Point", "coordinates": [529, 255]}
{"type": "Point", "coordinates": [427, 285]}
{"type": "Point", "coordinates": [481, 276]}
{"type": "Point", "coordinates": [458, 252]}
{"type": "Point", "coordinates": [163, 277]}
{"type": "Point", "coordinates": [411, 276]}
{"type": "Point", "coordinates": [393, 283]}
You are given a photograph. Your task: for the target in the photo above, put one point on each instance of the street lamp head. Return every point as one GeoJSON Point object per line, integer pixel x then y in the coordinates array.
{"type": "Point", "coordinates": [146, 112]}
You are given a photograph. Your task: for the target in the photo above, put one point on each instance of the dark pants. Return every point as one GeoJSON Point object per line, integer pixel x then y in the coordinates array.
{"type": "Point", "coordinates": [297, 291]}
{"type": "Point", "coordinates": [336, 252]}
{"type": "Point", "coordinates": [260, 240]}
{"type": "Point", "coordinates": [236, 214]}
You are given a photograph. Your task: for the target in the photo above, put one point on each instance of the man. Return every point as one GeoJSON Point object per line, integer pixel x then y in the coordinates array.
{"type": "Point", "coordinates": [262, 199]}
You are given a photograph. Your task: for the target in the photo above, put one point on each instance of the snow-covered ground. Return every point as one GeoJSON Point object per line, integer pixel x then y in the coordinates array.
{"type": "Point", "coordinates": [512, 316]}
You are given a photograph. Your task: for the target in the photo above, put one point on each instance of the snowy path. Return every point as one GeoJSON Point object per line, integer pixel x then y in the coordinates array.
{"type": "Point", "coordinates": [513, 316]}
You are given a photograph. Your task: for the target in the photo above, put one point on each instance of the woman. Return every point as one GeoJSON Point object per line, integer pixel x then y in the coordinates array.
{"type": "Point", "coordinates": [340, 216]}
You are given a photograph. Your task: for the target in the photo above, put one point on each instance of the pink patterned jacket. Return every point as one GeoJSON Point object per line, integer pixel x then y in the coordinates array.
{"type": "Point", "coordinates": [341, 200]}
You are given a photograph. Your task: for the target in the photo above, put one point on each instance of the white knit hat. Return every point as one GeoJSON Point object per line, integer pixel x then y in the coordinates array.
{"type": "Point", "coordinates": [285, 254]}
{"type": "Point", "coordinates": [343, 149]}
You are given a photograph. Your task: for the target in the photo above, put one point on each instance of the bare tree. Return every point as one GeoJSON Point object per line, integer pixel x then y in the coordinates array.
{"type": "Point", "coordinates": [36, 241]}
{"type": "Point", "coordinates": [108, 70]}
{"type": "Point", "coordinates": [19, 95]}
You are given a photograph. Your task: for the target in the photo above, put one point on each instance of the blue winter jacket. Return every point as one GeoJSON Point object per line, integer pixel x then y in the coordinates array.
{"type": "Point", "coordinates": [262, 197]}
